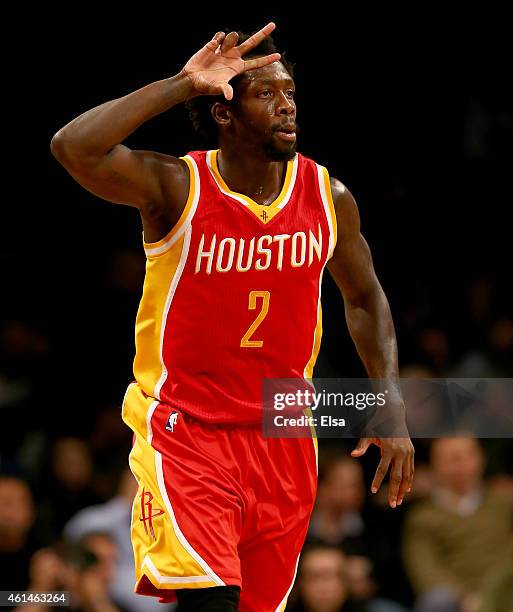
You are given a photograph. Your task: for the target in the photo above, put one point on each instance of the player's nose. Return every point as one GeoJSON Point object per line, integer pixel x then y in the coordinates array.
{"type": "Point", "coordinates": [285, 105]}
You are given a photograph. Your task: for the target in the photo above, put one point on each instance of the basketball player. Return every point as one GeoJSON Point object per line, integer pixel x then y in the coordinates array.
{"type": "Point", "coordinates": [236, 241]}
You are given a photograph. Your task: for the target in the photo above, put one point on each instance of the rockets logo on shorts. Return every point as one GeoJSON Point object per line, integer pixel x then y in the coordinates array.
{"type": "Point", "coordinates": [171, 422]}
{"type": "Point", "coordinates": [148, 512]}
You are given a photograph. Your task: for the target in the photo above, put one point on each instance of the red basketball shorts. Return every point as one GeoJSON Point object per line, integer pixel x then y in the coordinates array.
{"type": "Point", "coordinates": [216, 505]}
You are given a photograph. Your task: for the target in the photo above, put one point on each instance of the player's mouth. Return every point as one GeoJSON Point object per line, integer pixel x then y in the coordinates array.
{"type": "Point", "coordinates": [287, 133]}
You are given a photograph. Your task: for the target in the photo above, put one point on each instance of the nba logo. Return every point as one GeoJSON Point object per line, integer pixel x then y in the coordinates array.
{"type": "Point", "coordinates": [171, 422]}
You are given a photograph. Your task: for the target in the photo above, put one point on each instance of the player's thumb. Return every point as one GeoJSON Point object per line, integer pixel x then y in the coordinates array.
{"type": "Point", "coordinates": [361, 447]}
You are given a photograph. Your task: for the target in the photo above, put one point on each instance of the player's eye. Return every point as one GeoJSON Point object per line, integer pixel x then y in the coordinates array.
{"type": "Point", "coordinates": [265, 94]}
{"type": "Point", "coordinates": [290, 93]}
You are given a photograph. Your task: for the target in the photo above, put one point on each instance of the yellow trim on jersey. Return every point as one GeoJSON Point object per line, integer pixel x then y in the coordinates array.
{"type": "Point", "coordinates": [264, 213]}
{"type": "Point", "coordinates": [249, 200]}
{"type": "Point", "coordinates": [316, 448]}
{"type": "Point", "coordinates": [156, 249]}
{"type": "Point", "coordinates": [162, 556]}
{"type": "Point", "coordinates": [327, 186]}
{"type": "Point", "coordinates": [160, 272]}
{"type": "Point", "coordinates": [283, 605]}
{"type": "Point", "coordinates": [316, 346]}
{"type": "Point", "coordinates": [308, 412]}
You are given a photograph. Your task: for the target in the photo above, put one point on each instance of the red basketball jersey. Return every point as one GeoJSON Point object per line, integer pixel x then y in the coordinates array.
{"type": "Point", "coordinates": [232, 293]}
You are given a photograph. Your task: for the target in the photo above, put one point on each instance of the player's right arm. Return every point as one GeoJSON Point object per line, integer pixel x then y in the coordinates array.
{"type": "Point", "coordinates": [90, 147]}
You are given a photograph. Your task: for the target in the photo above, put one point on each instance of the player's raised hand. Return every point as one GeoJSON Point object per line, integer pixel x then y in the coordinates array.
{"type": "Point", "coordinates": [211, 68]}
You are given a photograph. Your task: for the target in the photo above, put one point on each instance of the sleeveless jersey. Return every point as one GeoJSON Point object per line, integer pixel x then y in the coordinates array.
{"type": "Point", "coordinates": [232, 294]}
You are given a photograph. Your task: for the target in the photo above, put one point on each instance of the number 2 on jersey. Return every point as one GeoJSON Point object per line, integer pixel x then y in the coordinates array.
{"type": "Point", "coordinates": [253, 295]}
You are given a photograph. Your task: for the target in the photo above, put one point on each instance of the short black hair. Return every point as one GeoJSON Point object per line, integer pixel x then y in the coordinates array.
{"type": "Point", "coordinates": [199, 107]}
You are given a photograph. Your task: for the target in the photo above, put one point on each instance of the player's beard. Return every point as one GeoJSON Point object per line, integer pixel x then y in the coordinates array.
{"type": "Point", "coordinates": [282, 151]}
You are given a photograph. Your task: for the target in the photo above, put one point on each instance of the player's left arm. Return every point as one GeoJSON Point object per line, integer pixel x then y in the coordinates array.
{"type": "Point", "coordinates": [370, 324]}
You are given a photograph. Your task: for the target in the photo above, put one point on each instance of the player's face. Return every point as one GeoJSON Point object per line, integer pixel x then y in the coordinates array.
{"type": "Point", "coordinates": [265, 111]}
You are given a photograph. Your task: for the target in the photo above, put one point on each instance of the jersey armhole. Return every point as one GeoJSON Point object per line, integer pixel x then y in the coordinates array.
{"type": "Point", "coordinates": [155, 249]}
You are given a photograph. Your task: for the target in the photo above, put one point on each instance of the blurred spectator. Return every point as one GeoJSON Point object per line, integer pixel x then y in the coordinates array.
{"type": "Point", "coordinates": [113, 518]}
{"type": "Point", "coordinates": [363, 588]}
{"type": "Point", "coordinates": [17, 541]}
{"type": "Point", "coordinates": [48, 572]}
{"type": "Point", "coordinates": [337, 518]}
{"type": "Point", "coordinates": [70, 486]}
{"type": "Point", "coordinates": [96, 562]}
{"type": "Point", "coordinates": [456, 539]}
{"type": "Point", "coordinates": [344, 517]}
{"type": "Point", "coordinates": [86, 575]}
{"type": "Point", "coordinates": [497, 593]}
{"type": "Point", "coordinates": [322, 582]}
{"type": "Point", "coordinates": [324, 585]}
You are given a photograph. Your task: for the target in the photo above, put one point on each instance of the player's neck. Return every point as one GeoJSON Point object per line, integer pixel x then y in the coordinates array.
{"type": "Point", "coordinates": [256, 177]}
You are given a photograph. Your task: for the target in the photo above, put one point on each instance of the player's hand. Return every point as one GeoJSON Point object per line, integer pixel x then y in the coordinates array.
{"type": "Point", "coordinates": [396, 455]}
{"type": "Point", "coordinates": [210, 69]}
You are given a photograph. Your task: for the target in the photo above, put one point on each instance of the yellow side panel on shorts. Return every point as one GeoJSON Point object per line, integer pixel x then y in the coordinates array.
{"type": "Point", "coordinates": [159, 553]}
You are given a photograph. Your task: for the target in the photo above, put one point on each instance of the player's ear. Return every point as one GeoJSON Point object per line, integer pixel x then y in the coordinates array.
{"type": "Point", "coordinates": [221, 114]}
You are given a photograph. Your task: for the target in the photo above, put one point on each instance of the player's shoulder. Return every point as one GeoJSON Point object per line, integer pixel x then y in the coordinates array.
{"type": "Point", "coordinates": [339, 191]}
{"type": "Point", "coordinates": [343, 200]}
